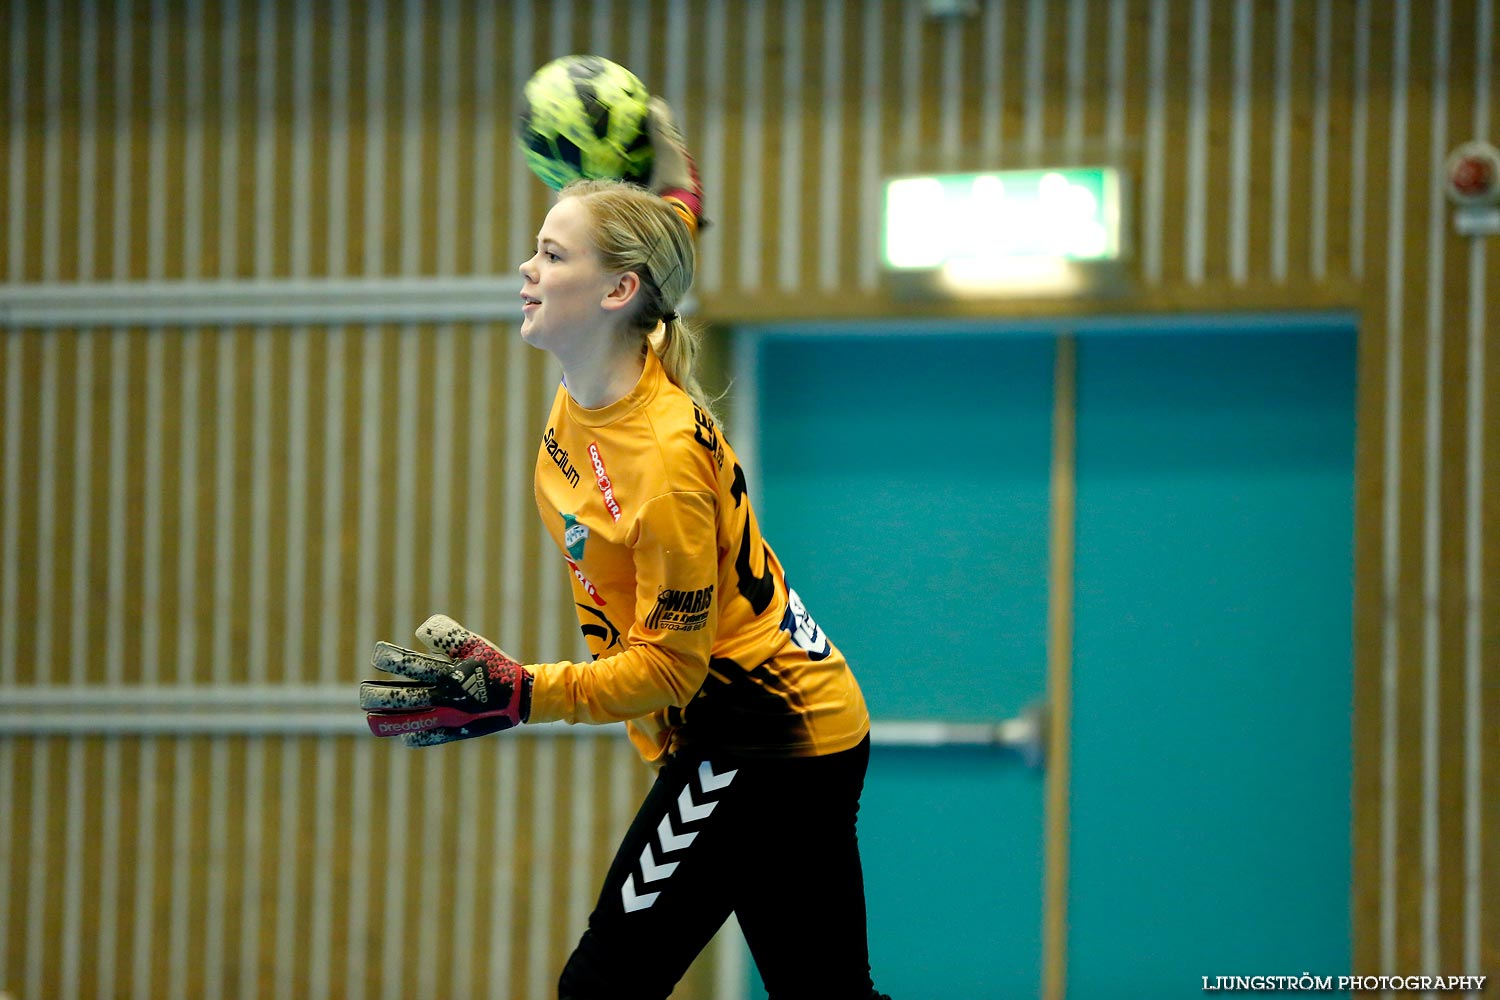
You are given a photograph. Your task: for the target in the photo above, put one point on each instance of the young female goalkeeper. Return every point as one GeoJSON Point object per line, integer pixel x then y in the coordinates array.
{"type": "Point", "coordinates": [723, 679]}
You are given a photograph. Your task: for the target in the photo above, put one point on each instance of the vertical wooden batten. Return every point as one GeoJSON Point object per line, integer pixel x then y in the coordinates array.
{"type": "Point", "coordinates": [1059, 733]}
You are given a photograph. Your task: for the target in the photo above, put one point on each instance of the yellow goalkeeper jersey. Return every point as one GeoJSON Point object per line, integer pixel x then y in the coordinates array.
{"type": "Point", "coordinates": [696, 637]}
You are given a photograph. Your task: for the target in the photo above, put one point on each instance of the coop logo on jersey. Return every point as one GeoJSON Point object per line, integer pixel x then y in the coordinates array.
{"type": "Point", "coordinates": [574, 535]}
{"type": "Point", "coordinates": [681, 610]}
{"type": "Point", "coordinates": [605, 486]}
{"type": "Point", "coordinates": [559, 456]}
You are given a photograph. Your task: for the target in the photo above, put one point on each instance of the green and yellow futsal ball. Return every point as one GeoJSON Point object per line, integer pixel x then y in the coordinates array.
{"type": "Point", "coordinates": [584, 116]}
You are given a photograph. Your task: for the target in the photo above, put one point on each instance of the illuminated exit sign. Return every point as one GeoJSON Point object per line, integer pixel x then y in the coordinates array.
{"type": "Point", "coordinates": [973, 222]}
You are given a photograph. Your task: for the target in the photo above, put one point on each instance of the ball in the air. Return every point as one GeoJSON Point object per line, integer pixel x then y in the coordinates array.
{"type": "Point", "coordinates": [584, 117]}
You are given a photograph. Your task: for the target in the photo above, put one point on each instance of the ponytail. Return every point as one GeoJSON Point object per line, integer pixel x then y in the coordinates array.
{"type": "Point", "coordinates": [676, 346]}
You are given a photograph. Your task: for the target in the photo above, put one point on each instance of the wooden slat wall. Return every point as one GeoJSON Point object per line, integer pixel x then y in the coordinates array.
{"type": "Point", "coordinates": [240, 505]}
{"type": "Point", "coordinates": [244, 867]}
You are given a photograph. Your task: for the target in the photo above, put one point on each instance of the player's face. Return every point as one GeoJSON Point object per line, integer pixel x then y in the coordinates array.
{"type": "Point", "coordinates": [563, 284]}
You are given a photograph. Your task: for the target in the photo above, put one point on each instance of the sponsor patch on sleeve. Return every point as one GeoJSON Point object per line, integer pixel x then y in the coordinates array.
{"type": "Point", "coordinates": [681, 610]}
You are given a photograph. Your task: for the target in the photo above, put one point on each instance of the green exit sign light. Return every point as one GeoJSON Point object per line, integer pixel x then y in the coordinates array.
{"type": "Point", "coordinates": [976, 222]}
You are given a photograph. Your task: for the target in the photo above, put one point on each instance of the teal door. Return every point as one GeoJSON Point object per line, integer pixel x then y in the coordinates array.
{"type": "Point", "coordinates": [904, 481]}
{"type": "Point", "coordinates": [1212, 658]}
{"type": "Point", "coordinates": [906, 493]}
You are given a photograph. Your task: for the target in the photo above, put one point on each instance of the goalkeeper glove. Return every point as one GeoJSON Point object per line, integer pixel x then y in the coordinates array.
{"type": "Point", "coordinates": [466, 687]}
{"type": "Point", "coordinates": [674, 175]}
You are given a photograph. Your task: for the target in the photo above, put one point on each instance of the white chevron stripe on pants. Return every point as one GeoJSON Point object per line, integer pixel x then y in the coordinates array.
{"type": "Point", "coordinates": [772, 841]}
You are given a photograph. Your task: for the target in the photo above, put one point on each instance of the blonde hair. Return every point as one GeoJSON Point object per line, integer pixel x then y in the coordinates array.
{"type": "Point", "coordinates": [634, 230]}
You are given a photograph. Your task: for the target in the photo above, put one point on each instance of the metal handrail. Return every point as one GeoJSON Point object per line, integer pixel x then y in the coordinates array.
{"type": "Point", "coordinates": [265, 302]}
{"type": "Point", "coordinates": [332, 710]}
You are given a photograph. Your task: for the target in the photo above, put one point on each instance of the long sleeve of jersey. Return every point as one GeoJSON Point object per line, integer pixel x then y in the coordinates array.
{"type": "Point", "coordinates": [696, 637]}
{"type": "Point", "coordinates": [666, 656]}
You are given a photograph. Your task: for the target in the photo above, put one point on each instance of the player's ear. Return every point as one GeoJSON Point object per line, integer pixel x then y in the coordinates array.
{"type": "Point", "coordinates": [623, 292]}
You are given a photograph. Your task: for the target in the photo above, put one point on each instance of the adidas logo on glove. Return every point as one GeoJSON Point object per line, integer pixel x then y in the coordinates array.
{"type": "Point", "coordinates": [445, 694]}
{"type": "Point", "coordinates": [475, 687]}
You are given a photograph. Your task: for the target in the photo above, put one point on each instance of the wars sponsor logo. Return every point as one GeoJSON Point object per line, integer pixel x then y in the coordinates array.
{"type": "Point", "coordinates": [559, 456]}
{"type": "Point", "coordinates": [706, 434]}
{"type": "Point", "coordinates": [681, 610]}
{"type": "Point", "coordinates": [605, 486]}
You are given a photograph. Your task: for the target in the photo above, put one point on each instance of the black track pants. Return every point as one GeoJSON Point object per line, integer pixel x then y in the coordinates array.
{"type": "Point", "coordinates": [772, 841]}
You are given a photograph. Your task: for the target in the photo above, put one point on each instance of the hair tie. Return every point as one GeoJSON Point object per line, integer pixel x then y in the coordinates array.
{"type": "Point", "coordinates": [671, 317]}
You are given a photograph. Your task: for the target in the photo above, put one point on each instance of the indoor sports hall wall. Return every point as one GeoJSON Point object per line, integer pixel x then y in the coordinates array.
{"type": "Point", "coordinates": [216, 521]}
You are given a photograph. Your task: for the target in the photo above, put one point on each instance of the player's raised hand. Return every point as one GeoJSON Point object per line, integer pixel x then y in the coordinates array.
{"type": "Point", "coordinates": [674, 175]}
{"type": "Point", "coordinates": [465, 686]}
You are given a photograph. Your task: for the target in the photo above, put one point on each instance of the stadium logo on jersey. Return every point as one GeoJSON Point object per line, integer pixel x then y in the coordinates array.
{"type": "Point", "coordinates": [574, 535]}
{"type": "Point", "coordinates": [804, 631]}
{"type": "Point", "coordinates": [681, 610]}
{"type": "Point", "coordinates": [605, 486]}
{"type": "Point", "coordinates": [559, 456]}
